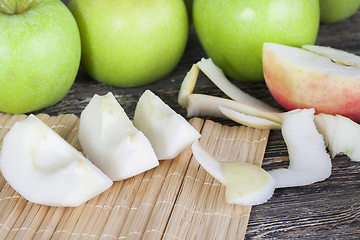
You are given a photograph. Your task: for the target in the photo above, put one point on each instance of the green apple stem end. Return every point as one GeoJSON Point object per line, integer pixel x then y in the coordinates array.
{"type": "Point", "coordinates": [15, 7]}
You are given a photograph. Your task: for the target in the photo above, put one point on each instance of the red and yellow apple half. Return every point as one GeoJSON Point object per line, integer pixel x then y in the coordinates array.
{"type": "Point", "coordinates": [323, 78]}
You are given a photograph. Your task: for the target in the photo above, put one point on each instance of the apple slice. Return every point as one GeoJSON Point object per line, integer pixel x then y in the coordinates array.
{"type": "Point", "coordinates": [188, 85]}
{"type": "Point", "coordinates": [208, 162]}
{"type": "Point", "coordinates": [246, 184]}
{"type": "Point", "coordinates": [45, 169]}
{"type": "Point", "coordinates": [206, 105]}
{"type": "Point", "coordinates": [309, 161]}
{"type": "Point", "coordinates": [111, 141]}
{"type": "Point", "coordinates": [325, 124]}
{"type": "Point", "coordinates": [168, 132]}
{"type": "Point", "coordinates": [248, 120]}
{"type": "Point", "coordinates": [345, 138]}
{"type": "Point", "coordinates": [217, 76]}
{"type": "Point", "coordinates": [317, 77]}
{"type": "Point", "coordinates": [341, 135]}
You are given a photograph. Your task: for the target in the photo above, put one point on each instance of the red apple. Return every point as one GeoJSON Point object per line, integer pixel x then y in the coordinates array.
{"type": "Point", "coordinates": [317, 77]}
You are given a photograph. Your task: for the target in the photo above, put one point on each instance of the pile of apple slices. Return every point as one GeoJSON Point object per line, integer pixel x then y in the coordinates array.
{"type": "Point", "coordinates": [45, 169]}
{"type": "Point", "coordinates": [242, 107]}
{"type": "Point", "coordinates": [111, 141]}
{"type": "Point", "coordinates": [306, 135]}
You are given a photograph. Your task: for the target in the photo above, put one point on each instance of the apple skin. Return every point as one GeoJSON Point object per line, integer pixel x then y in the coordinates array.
{"type": "Point", "coordinates": [232, 32]}
{"type": "Point", "coordinates": [332, 11]}
{"type": "Point", "coordinates": [40, 56]}
{"type": "Point", "coordinates": [130, 43]}
{"type": "Point", "coordinates": [297, 87]}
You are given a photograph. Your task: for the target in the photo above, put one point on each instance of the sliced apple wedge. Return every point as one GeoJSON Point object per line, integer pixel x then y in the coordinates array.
{"type": "Point", "coordinates": [246, 184]}
{"type": "Point", "coordinates": [111, 141]}
{"type": "Point", "coordinates": [309, 161]}
{"type": "Point", "coordinates": [45, 169]}
{"type": "Point", "coordinates": [168, 132]}
{"type": "Point", "coordinates": [248, 120]}
{"type": "Point", "coordinates": [341, 134]}
{"type": "Point", "coordinates": [323, 78]}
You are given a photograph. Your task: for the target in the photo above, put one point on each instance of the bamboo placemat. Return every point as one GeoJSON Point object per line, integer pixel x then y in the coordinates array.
{"type": "Point", "coordinates": [176, 200]}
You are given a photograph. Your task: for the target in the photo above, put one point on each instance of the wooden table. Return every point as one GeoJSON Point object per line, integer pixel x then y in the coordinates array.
{"type": "Point", "coordinates": [326, 210]}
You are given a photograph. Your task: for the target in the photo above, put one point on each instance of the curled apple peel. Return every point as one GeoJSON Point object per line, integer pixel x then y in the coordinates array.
{"type": "Point", "coordinates": [246, 184]}
{"type": "Point", "coordinates": [309, 160]}
{"type": "Point", "coordinates": [208, 162]}
{"type": "Point", "coordinates": [306, 135]}
{"type": "Point", "coordinates": [45, 169]}
{"type": "Point", "coordinates": [341, 134]}
{"type": "Point", "coordinates": [217, 76]}
{"type": "Point", "coordinates": [205, 105]}
{"type": "Point", "coordinates": [248, 120]}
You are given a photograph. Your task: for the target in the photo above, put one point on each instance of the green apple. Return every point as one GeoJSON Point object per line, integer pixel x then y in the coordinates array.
{"type": "Point", "coordinates": [232, 32]}
{"type": "Point", "coordinates": [332, 11]}
{"type": "Point", "coordinates": [130, 43]}
{"type": "Point", "coordinates": [39, 54]}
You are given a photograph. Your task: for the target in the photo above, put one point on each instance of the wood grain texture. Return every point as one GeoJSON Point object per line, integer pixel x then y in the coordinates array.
{"type": "Point", "coordinates": [326, 210]}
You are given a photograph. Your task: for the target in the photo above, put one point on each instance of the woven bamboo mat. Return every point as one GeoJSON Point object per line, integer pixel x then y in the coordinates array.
{"type": "Point", "coordinates": [176, 200]}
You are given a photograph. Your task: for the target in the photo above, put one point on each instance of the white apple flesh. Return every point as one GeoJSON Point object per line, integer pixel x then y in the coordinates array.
{"type": "Point", "coordinates": [188, 85]}
{"type": "Point", "coordinates": [342, 135]}
{"type": "Point", "coordinates": [206, 105]}
{"type": "Point", "coordinates": [248, 120]}
{"type": "Point", "coordinates": [317, 77]}
{"type": "Point", "coordinates": [309, 161]}
{"type": "Point", "coordinates": [246, 184]}
{"type": "Point", "coordinates": [208, 162]}
{"type": "Point", "coordinates": [239, 108]}
{"type": "Point", "coordinates": [111, 141]}
{"type": "Point", "coordinates": [168, 132]}
{"type": "Point", "coordinates": [217, 76]}
{"type": "Point", "coordinates": [45, 169]}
